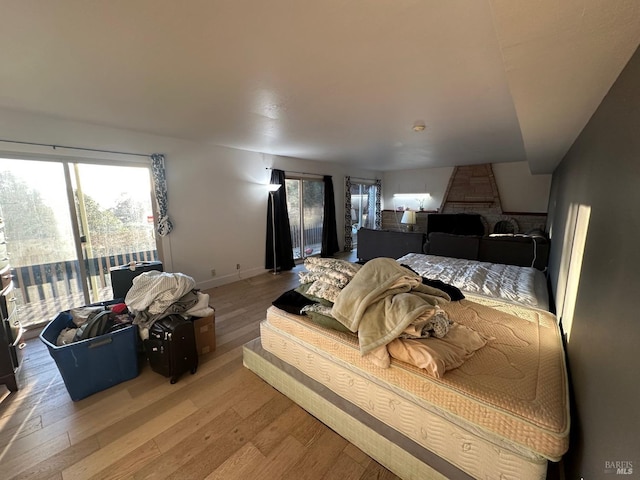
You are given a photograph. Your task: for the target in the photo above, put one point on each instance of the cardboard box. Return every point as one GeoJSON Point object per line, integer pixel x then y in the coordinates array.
{"type": "Point", "coordinates": [205, 329]}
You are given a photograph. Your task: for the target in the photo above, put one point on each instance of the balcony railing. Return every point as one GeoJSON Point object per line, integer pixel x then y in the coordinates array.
{"type": "Point", "coordinates": [312, 240]}
{"type": "Point", "coordinates": [46, 289]}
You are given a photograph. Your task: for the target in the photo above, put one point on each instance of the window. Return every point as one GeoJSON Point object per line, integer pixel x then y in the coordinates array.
{"type": "Point", "coordinates": [67, 224]}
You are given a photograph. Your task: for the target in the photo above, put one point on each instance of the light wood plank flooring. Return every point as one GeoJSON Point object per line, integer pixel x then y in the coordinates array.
{"type": "Point", "coordinates": [221, 423]}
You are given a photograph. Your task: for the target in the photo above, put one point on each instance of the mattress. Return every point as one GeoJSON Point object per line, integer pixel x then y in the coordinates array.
{"type": "Point", "coordinates": [523, 285]}
{"type": "Point", "coordinates": [504, 410]}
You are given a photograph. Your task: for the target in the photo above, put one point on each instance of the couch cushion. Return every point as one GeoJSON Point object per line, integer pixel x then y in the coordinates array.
{"type": "Point", "coordinates": [387, 243]}
{"type": "Point", "coordinates": [457, 246]}
{"type": "Point", "coordinates": [521, 250]}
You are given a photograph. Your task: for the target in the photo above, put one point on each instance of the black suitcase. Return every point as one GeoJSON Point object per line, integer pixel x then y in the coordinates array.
{"type": "Point", "coordinates": [171, 347]}
{"type": "Point", "coordinates": [122, 276]}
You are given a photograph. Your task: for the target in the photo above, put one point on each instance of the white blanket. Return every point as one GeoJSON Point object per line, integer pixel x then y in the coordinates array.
{"type": "Point", "coordinates": [523, 285]}
{"type": "Point", "coordinates": [156, 291]}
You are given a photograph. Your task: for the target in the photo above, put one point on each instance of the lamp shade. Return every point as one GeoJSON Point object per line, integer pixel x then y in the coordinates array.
{"type": "Point", "coordinates": [273, 187]}
{"type": "Point", "coordinates": [408, 217]}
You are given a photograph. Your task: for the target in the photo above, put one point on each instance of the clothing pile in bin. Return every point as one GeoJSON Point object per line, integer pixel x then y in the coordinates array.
{"type": "Point", "coordinates": [93, 321]}
{"type": "Point", "coordinates": [155, 295]}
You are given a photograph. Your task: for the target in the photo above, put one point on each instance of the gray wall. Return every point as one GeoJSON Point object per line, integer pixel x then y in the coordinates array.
{"type": "Point", "coordinates": [595, 276]}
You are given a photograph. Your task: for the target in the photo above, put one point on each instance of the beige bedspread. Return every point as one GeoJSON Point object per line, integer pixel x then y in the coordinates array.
{"type": "Point", "coordinates": [381, 300]}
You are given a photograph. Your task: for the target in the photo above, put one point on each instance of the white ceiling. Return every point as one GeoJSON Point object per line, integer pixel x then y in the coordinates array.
{"type": "Point", "coordinates": [333, 80]}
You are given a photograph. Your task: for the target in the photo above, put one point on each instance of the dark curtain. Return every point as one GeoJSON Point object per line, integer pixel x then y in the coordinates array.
{"type": "Point", "coordinates": [284, 248]}
{"type": "Point", "coordinates": [329, 228]}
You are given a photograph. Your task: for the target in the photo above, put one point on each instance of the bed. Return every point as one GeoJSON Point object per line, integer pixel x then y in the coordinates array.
{"type": "Point", "coordinates": [503, 413]}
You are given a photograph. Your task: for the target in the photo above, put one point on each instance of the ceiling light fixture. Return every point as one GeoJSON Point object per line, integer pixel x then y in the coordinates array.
{"type": "Point", "coordinates": [419, 127]}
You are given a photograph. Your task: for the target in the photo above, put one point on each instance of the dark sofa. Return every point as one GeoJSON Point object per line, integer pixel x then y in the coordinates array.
{"type": "Point", "coordinates": [522, 250]}
{"type": "Point", "coordinates": [388, 243]}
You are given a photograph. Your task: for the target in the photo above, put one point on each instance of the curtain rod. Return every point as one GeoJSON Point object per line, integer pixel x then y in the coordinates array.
{"type": "Point", "coordinates": [299, 173]}
{"type": "Point", "coordinates": [320, 175]}
{"type": "Point", "coordinates": [76, 148]}
{"type": "Point", "coordinates": [369, 179]}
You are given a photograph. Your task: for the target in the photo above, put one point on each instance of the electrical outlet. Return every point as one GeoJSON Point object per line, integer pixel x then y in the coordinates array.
{"type": "Point", "coordinates": [237, 266]}
{"type": "Point", "coordinates": [213, 272]}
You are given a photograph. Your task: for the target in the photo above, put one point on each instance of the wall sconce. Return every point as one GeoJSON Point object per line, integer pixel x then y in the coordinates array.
{"type": "Point", "coordinates": [412, 195]}
{"type": "Point", "coordinates": [420, 198]}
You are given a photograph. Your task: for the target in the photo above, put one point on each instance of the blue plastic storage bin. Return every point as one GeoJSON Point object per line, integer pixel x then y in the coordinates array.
{"type": "Point", "coordinates": [95, 364]}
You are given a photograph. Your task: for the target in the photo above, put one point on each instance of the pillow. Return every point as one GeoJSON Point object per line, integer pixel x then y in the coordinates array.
{"type": "Point", "coordinates": [324, 290]}
{"type": "Point", "coordinates": [337, 279]}
{"type": "Point", "coordinates": [316, 315]}
{"type": "Point", "coordinates": [304, 291]}
{"type": "Point", "coordinates": [337, 265]}
{"type": "Point", "coordinates": [438, 355]}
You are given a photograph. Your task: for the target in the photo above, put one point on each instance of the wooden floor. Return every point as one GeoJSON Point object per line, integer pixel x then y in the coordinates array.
{"type": "Point", "coordinates": [223, 422]}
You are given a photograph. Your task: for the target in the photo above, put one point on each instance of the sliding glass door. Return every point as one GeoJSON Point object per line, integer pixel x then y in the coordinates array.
{"type": "Point", "coordinates": [363, 208]}
{"type": "Point", "coordinates": [305, 202]}
{"type": "Point", "coordinates": [67, 224]}
{"type": "Point", "coordinates": [115, 220]}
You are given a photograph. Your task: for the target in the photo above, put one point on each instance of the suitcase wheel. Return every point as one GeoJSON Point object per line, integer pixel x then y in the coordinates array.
{"type": "Point", "coordinates": [193, 370]}
{"type": "Point", "coordinates": [173, 380]}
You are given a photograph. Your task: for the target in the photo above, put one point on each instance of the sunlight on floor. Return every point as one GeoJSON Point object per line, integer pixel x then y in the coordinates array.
{"type": "Point", "coordinates": [24, 392]}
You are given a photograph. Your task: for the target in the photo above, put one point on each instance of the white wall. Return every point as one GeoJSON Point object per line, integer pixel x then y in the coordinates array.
{"type": "Point", "coordinates": [433, 181]}
{"type": "Point", "coordinates": [217, 195]}
{"type": "Point", "coordinates": [218, 200]}
{"type": "Point", "coordinates": [520, 191]}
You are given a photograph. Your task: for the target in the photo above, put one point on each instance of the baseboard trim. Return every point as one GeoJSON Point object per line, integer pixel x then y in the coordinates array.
{"type": "Point", "coordinates": [230, 278]}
